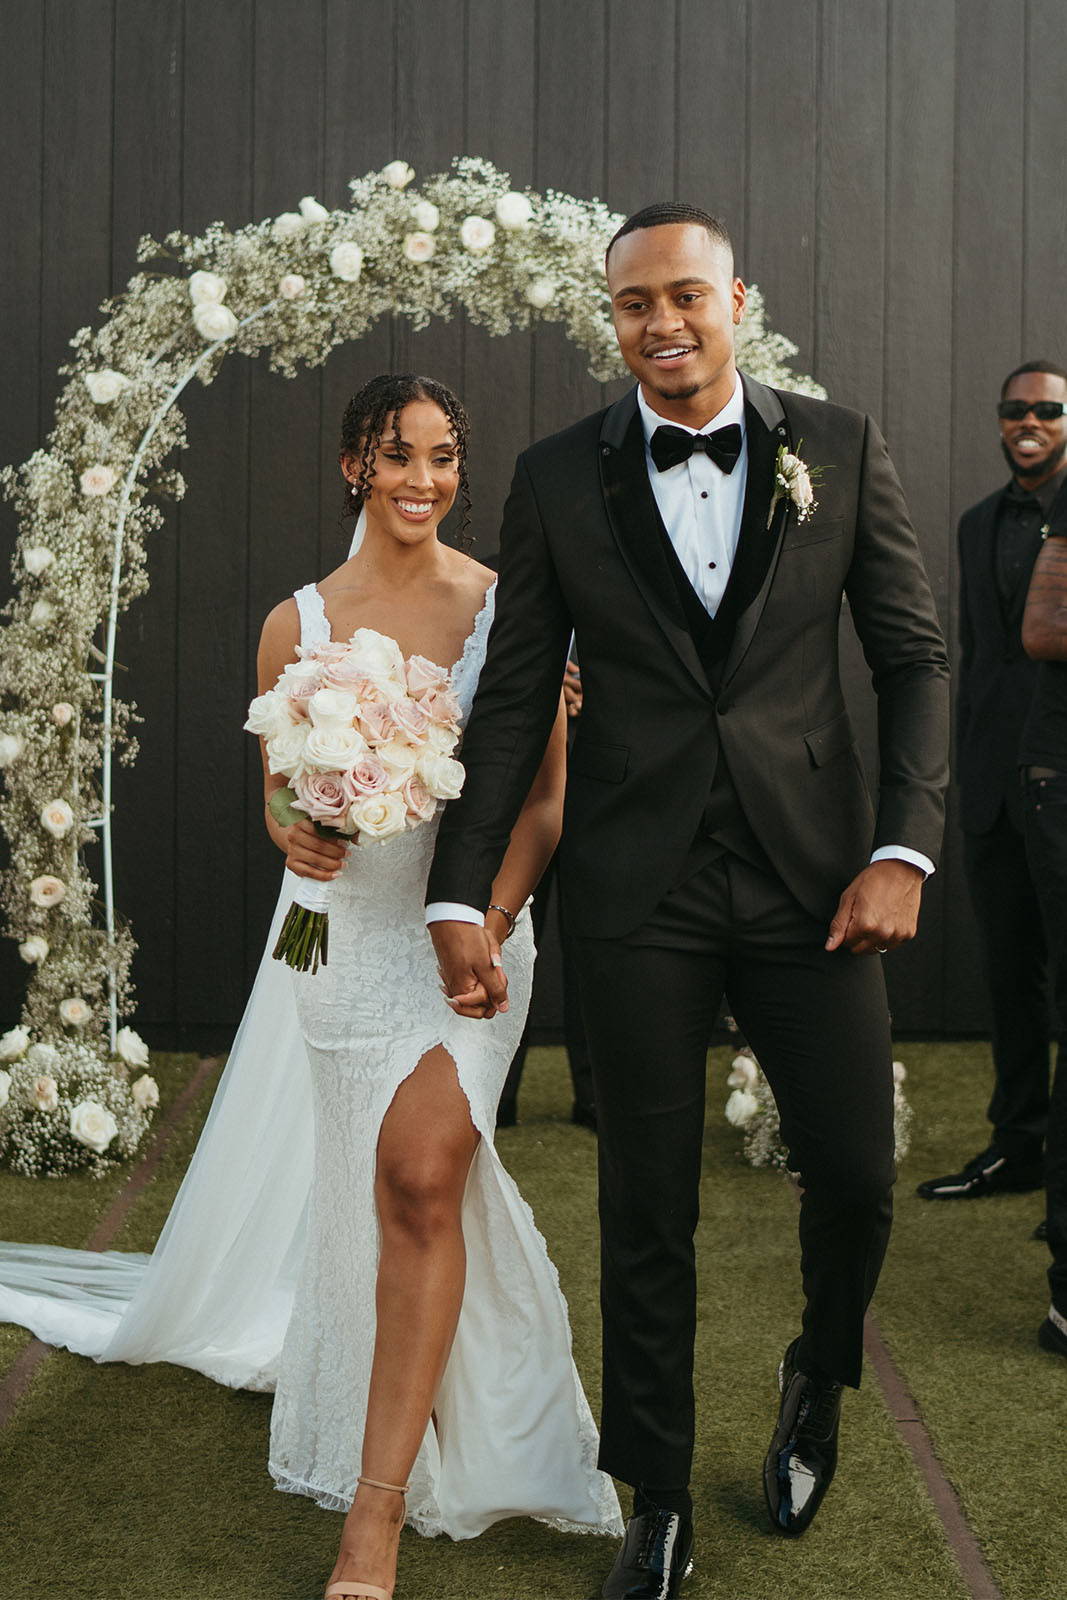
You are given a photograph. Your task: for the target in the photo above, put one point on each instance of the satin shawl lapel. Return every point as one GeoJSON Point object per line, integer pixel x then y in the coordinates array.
{"type": "Point", "coordinates": [635, 522]}
{"type": "Point", "coordinates": [765, 430]}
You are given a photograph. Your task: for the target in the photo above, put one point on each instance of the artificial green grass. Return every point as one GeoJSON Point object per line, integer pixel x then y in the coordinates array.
{"type": "Point", "coordinates": [126, 1482]}
{"type": "Point", "coordinates": [961, 1299]}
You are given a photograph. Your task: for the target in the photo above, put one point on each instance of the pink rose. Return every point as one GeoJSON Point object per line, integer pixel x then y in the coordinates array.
{"type": "Point", "coordinates": [299, 695]}
{"type": "Point", "coordinates": [423, 675]}
{"type": "Point", "coordinates": [328, 653]}
{"type": "Point", "coordinates": [376, 722]}
{"type": "Point", "coordinates": [322, 796]}
{"type": "Point", "coordinates": [343, 673]}
{"type": "Point", "coordinates": [420, 803]}
{"type": "Point", "coordinates": [442, 707]}
{"type": "Point", "coordinates": [366, 777]}
{"type": "Point", "coordinates": [410, 720]}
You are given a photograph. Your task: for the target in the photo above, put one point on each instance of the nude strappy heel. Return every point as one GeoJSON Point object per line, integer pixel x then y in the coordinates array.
{"type": "Point", "coordinates": [351, 1587]}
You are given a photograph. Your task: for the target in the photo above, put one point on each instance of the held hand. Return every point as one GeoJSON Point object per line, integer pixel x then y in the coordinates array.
{"type": "Point", "coordinates": [310, 855]}
{"type": "Point", "coordinates": [572, 689]}
{"type": "Point", "coordinates": [879, 909]}
{"type": "Point", "coordinates": [472, 972]}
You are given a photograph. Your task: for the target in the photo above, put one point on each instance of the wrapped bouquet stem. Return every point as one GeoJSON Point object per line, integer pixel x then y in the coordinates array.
{"type": "Point", "coordinates": [365, 739]}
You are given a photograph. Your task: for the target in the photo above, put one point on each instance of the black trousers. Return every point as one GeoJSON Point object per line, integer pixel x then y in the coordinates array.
{"type": "Point", "coordinates": [820, 1026]}
{"type": "Point", "coordinates": [1045, 818]}
{"type": "Point", "coordinates": [1012, 933]}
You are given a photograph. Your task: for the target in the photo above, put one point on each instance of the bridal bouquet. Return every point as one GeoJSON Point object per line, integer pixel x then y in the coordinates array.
{"type": "Point", "coordinates": [366, 740]}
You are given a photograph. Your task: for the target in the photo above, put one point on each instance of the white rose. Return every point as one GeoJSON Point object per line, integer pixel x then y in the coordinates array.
{"type": "Point", "coordinates": [312, 211]}
{"type": "Point", "coordinates": [92, 1124]}
{"type": "Point", "coordinates": [44, 1093]}
{"type": "Point", "coordinates": [297, 673]}
{"type": "Point", "coordinates": [105, 386]}
{"type": "Point", "coordinates": [42, 613]}
{"type": "Point", "coordinates": [287, 226]}
{"type": "Point", "coordinates": [399, 759]}
{"type": "Point", "coordinates": [45, 1057]}
{"type": "Point", "coordinates": [13, 1044]}
{"type": "Point", "coordinates": [346, 261]}
{"type": "Point", "coordinates": [426, 216]}
{"type": "Point", "coordinates": [540, 293]}
{"type": "Point", "coordinates": [440, 739]}
{"type": "Point", "coordinates": [47, 891]}
{"type": "Point", "coordinates": [38, 559]}
{"type": "Point", "coordinates": [292, 286]}
{"type": "Point", "coordinates": [789, 464]}
{"type": "Point", "coordinates": [802, 492]}
{"type": "Point", "coordinates": [268, 715]}
{"type": "Point", "coordinates": [145, 1093]}
{"type": "Point", "coordinates": [57, 818]}
{"type": "Point", "coordinates": [441, 774]}
{"type": "Point", "coordinates": [398, 174]}
{"type": "Point", "coordinates": [98, 479]}
{"type": "Point", "coordinates": [11, 747]}
{"type": "Point", "coordinates": [379, 816]}
{"type": "Point", "coordinates": [477, 234]}
{"type": "Point", "coordinates": [285, 751]}
{"type": "Point", "coordinates": [328, 707]}
{"type": "Point", "coordinates": [131, 1048]}
{"type": "Point", "coordinates": [207, 288]}
{"type": "Point", "coordinates": [743, 1072]}
{"type": "Point", "coordinates": [741, 1107]}
{"type": "Point", "coordinates": [379, 656]}
{"type": "Point", "coordinates": [75, 1012]}
{"type": "Point", "coordinates": [513, 210]}
{"type": "Point", "coordinates": [419, 246]}
{"type": "Point", "coordinates": [62, 713]}
{"type": "Point", "coordinates": [5, 1087]}
{"type": "Point", "coordinates": [333, 748]}
{"type": "Point", "coordinates": [34, 950]}
{"type": "Point", "coordinates": [213, 321]}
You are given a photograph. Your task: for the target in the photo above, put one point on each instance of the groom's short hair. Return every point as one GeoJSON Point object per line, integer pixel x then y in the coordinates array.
{"type": "Point", "coordinates": [665, 213]}
{"type": "Point", "coordinates": [1033, 366]}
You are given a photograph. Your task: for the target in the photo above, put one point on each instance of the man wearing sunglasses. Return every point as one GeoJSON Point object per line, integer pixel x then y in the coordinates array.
{"type": "Point", "coordinates": [999, 541]}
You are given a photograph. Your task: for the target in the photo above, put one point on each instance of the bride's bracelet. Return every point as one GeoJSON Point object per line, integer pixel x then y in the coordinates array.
{"type": "Point", "coordinates": [504, 912]}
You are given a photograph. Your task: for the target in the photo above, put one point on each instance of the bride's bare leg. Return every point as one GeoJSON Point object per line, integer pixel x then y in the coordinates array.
{"type": "Point", "coordinates": [425, 1148]}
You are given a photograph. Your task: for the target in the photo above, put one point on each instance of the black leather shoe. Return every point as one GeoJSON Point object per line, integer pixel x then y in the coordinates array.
{"type": "Point", "coordinates": [1041, 1231]}
{"type": "Point", "coordinates": [1052, 1338]}
{"type": "Point", "coordinates": [800, 1464]}
{"type": "Point", "coordinates": [988, 1173]}
{"type": "Point", "coordinates": [507, 1114]}
{"type": "Point", "coordinates": [584, 1116]}
{"type": "Point", "coordinates": [656, 1554]}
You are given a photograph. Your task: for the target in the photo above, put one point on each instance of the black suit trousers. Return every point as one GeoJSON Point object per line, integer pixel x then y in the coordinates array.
{"type": "Point", "coordinates": [819, 1024]}
{"type": "Point", "coordinates": [1009, 920]}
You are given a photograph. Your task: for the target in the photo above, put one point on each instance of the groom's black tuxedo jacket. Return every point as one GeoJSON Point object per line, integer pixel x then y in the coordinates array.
{"type": "Point", "coordinates": [583, 547]}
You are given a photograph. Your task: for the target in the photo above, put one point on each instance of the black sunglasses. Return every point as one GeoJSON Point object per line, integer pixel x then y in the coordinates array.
{"type": "Point", "coordinates": [1044, 410]}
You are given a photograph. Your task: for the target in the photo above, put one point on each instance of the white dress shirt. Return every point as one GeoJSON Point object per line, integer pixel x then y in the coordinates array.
{"type": "Point", "coordinates": [701, 507]}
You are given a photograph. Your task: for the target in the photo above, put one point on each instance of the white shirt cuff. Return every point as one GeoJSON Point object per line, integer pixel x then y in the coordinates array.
{"type": "Point", "coordinates": [446, 911]}
{"type": "Point", "coordinates": [900, 852]}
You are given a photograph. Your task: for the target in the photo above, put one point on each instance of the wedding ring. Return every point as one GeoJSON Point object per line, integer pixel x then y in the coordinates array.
{"type": "Point", "coordinates": [882, 949]}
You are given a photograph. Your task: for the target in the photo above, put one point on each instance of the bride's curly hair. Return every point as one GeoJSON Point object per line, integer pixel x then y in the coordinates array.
{"type": "Point", "coordinates": [378, 403]}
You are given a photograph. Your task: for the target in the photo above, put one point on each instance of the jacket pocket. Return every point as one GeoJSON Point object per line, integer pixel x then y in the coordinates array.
{"type": "Point", "coordinates": [829, 740]}
{"type": "Point", "coordinates": [798, 535]}
{"type": "Point", "coordinates": [606, 762]}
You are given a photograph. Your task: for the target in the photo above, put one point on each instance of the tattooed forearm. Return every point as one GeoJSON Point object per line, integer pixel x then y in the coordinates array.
{"type": "Point", "coordinates": [1045, 618]}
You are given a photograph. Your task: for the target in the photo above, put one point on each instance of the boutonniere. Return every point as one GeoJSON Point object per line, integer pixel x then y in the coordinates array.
{"type": "Point", "coordinates": [794, 481]}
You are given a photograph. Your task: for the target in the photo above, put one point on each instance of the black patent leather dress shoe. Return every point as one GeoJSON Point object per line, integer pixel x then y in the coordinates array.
{"type": "Point", "coordinates": [802, 1458]}
{"type": "Point", "coordinates": [1041, 1231]}
{"type": "Point", "coordinates": [1052, 1338]}
{"type": "Point", "coordinates": [988, 1173]}
{"type": "Point", "coordinates": [656, 1554]}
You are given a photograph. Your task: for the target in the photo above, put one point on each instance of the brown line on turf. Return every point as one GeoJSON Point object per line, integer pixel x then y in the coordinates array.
{"type": "Point", "coordinates": [908, 1422]}
{"type": "Point", "coordinates": [20, 1374]}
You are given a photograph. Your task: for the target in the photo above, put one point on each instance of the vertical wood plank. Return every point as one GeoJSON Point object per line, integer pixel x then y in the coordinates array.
{"type": "Point", "coordinates": [641, 97]}
{"type": "Point", "coordinates": [146, 176]}
{"type": "Point", "coordinates": [570, 156]}
{"type": "Point", "coordinates": [782, 137]}
{"type": "Point", "coordinates": [712, 111]}
{"type": "Point", "coordinates": [210, 664]}
{"type": "Point", "coordinates": [1044, 215]}
{"type": "Point", "coordinates": [918, 366]}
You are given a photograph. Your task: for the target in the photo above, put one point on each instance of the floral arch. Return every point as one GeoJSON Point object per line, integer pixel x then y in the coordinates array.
{"type": "Point", "coordinates": [294, 286]}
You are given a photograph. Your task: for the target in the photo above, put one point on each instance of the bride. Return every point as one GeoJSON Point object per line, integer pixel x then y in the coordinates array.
{"type": "Point", "coordinates": [346, 1233]}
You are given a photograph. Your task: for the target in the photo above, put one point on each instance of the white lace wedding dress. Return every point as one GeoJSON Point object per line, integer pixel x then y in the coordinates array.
{"type": "Point", "coordinates": [264, 1274]}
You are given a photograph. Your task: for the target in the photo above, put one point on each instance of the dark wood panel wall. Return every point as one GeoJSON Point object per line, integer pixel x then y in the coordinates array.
{"type": "Point", "coordinates": [893, 174]}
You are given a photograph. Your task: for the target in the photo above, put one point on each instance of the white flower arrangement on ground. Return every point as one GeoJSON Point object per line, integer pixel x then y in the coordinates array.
{"type": "Point", "coordinates": [751, 1108]}
{"type": "Point", "coordinates": [293, 288]}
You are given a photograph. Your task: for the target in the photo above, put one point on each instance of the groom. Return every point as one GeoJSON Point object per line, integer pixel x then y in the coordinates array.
{"type": "Point", "coordinates": [718, 835]}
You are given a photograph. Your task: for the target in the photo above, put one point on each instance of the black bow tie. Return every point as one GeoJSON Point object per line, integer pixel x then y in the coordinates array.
{"type": "Point", "coordinates": [670, 445]}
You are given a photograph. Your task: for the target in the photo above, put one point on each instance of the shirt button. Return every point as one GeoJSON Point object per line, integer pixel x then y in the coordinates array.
{"type": "Point", "coordinates": [703, 494]}
{"type": "Point", "coordinates": [711, 566]}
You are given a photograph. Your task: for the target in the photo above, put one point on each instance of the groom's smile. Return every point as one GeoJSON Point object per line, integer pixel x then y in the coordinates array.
{"type": "Point", "coordinates": [674, 302]}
